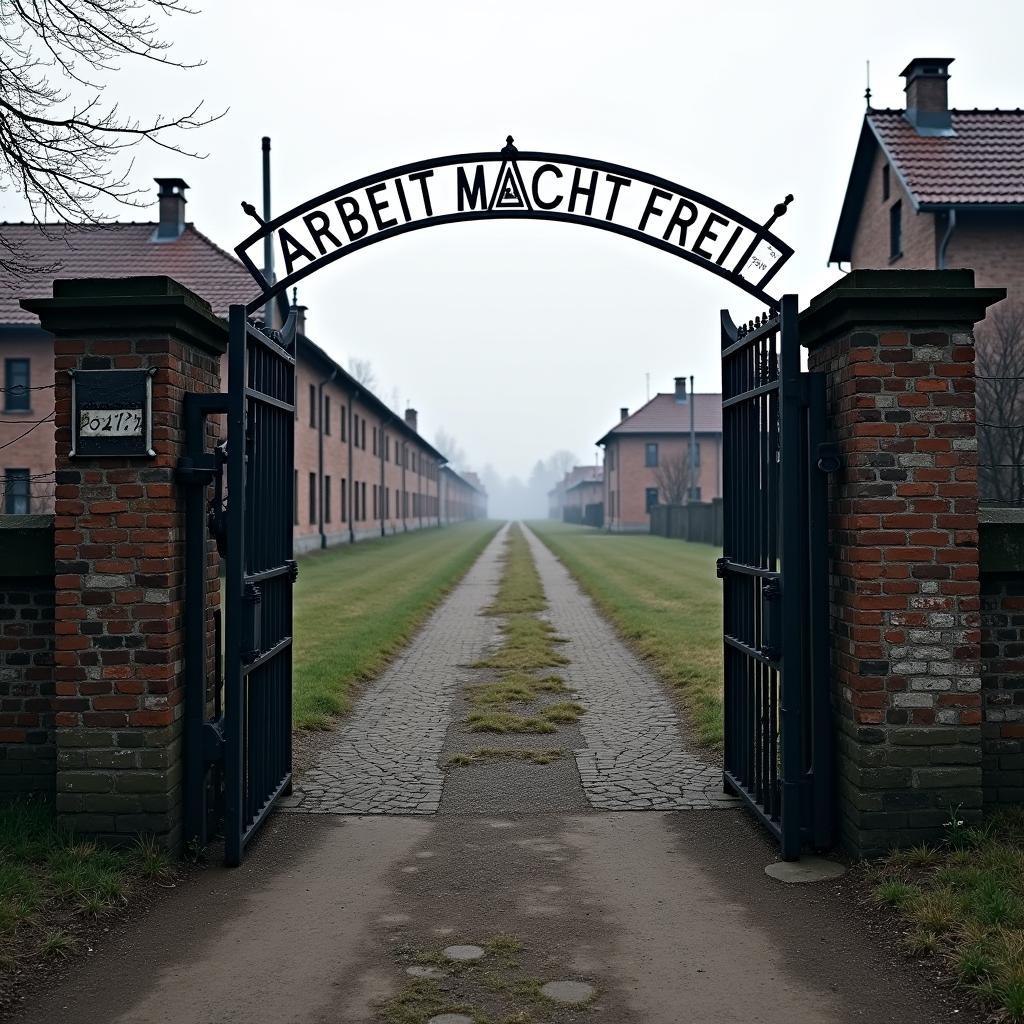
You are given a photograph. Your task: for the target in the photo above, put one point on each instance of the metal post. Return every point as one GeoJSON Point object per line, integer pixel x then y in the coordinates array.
{"type": "Point", "coordinates": [792, 564]}
{"type": "Point", "coordinates": [234, 706]}
{"type": "Point", "coordinates": [268, 242]}
{"type": "Point", "coordinates": [693, 444]}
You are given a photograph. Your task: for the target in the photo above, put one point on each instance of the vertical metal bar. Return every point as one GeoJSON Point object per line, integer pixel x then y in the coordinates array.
{"type": "Point", "coordinates": [234, 710]}
{"type": "Point", "coordinates": [823, 766]}
{"type": "Point", "coordinates": [791, 560]}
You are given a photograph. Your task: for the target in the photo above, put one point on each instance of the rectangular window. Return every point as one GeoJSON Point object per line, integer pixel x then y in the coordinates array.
{"type": "Point", "coordinates": [885, 182]}
{"type": "Point", "coordinates": [696, 454]}
{"type": "Point", "coordinates": [651, 453]}
{"type": "Point", "coordinates": [398, 501]}
{"type": "Point", "coordinates": [327, 414]}
{"type": "Point", "coordinates": [327, 499]}
{"type": "Point", "coordinates": [364, 497]}
{"type": "Point", "coordinates": [16, 385]}
{"type": "Point", "coordinates": [312, 405]}
{"type": "Point", "coordinates": [312, 497]}
{"type": "Point", "coordinates": [16, 498]}
{"type": "Point", "coordinates": [376, 513]}
{"type": "Point", "coordinates": [362, 432]}
{"type": "Point", "coordinates": [896, 230]}
{"type": "Point", "coordinates": [387, 447]}
{"type": "Point", "coordinates": [295, 498]}
{"type": "Point", "coordinates": [344, 425]}
{"type": "Point", "coordinates": [374, 440]}
{"type": "Point", "coordinates": [650, 498]}
{"type": "Point", "coordinates": [344, 498]}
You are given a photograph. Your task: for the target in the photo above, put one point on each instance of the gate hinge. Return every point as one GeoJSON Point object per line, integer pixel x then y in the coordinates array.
{"type": "Point", "coordinates": [721, 567]}
{"type": "Point", "coordinates": [771, 590]}
{"type": "Point", "coordinates": [195, 469]}
{"type": "Point", "coordinates": [829, 458]}
{"type": "Point", "coordinates": [213, 742]}
{"type": "Point", "coordinates": [293, 569]}
{"type": "Point", "coordinates": [769, 651]}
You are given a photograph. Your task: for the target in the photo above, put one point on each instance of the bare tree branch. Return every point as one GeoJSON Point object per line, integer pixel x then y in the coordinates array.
{"type": "Point", "coordinates": [1000, 404]}
{"type": "Point", "coordinates": [60, 145]}
{"type": "Point", "coordinates": [673, 478]}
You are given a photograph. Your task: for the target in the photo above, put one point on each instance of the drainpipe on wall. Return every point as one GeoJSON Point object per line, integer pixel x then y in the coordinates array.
{"type": "Point", "coordinates": [320, 450]}
{"type": "Point", "coordinates": [381, 489]}
{"type": "Point", "coordinates": [351, 481]}
{"type": "Point", "coordinates": [950, 225]}
{"type": "Point", "coordinates": [405, 458]}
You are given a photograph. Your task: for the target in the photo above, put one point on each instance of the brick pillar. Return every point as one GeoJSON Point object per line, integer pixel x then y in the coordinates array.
{"type": "Point", "coordinates": [119, 559]}
{"type": "Point", "coordinates": [898, 353]}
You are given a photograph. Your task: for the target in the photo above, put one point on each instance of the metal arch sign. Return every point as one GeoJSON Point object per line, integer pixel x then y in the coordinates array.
{"type": "Point", "coordinates": [514, 184]}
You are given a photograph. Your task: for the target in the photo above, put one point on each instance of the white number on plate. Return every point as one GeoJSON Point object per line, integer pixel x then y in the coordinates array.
{"type": "Point", "coordinates": [110, 423]}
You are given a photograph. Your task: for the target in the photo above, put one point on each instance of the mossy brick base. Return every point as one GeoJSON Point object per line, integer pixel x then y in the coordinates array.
{"type": "Point", "coordinates": [119, 560]}
{"type": "Point", "coordinates": [897, 352]}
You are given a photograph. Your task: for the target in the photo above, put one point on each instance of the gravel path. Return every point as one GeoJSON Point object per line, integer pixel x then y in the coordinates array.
{"type": "Point", "coordinates": [384, 759]}
{"type": "Point", "coordinates": [629, 750]}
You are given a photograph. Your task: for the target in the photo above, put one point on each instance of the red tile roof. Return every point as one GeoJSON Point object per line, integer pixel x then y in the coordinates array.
{"type": "Point", "coordinates": [981, 162]}
{"type": "Point", "coordinates": [120, 250]}
{"type": "Point", "coordinates": [664, 415]}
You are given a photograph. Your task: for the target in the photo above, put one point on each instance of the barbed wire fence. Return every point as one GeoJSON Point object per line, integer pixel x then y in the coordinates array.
{"type": "Point", "coordinates": [1000, 403]}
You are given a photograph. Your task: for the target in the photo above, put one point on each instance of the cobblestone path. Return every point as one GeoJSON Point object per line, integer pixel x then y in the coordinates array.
{"type": "Point", "coordinates": [384, 759]}
{"type": "Point", "coordinates": [635, 758]}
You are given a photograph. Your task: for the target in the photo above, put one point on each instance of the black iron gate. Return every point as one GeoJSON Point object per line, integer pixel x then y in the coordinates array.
{"type": "Point", "coordinates": [778, 728]}
{"type": "Point", "coordinates": [238, 730]}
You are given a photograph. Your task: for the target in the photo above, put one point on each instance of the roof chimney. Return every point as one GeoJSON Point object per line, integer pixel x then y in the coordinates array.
{"type": "Point", "coordinates": [927, 95]}
{"type": "Point", "coordinates": [623, 414]}
{"type": "Point", "coordinates": [681, 390]}
{"type": "Point", "coordinates": [172, 209]}
{"type": "Point", "coordinates": [300, 319]}
{"type": "Point", "coordinates": [410, 418]}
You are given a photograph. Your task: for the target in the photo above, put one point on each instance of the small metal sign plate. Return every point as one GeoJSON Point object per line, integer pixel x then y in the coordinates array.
{"type": "Point", "coordinates": [112, 413]}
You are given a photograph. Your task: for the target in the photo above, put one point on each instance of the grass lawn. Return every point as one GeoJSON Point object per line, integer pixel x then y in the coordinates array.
{"type": "Point", "coordinates": [664, 599]}
{"type": "Point", "coordinates": [54, 887]}
{"type": "Point", "coordinates": [963, 902]}
{"type": "Point", "coordinates": [356, 606]}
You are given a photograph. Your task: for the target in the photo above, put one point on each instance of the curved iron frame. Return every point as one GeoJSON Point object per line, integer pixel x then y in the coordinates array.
{"type": "Point", "coordinates": [762, 232]}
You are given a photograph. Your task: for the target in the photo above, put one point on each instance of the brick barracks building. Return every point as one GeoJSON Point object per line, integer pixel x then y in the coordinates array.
{"type": "Point", "coordinates": [934, 188]}
{"type": "Point", "coordinates": [361, 469]}
{"type": "Point", "coordinates": [643, 450]}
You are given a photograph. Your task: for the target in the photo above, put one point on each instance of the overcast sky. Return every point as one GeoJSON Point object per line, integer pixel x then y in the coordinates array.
{"type": "Point", "coordinates": [521, 338]}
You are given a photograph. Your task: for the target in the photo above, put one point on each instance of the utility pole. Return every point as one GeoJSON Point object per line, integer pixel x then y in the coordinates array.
{"type": "Point", "coordinates": [693, 444]}
{"type": "Point", "coordinates": [268, 241]}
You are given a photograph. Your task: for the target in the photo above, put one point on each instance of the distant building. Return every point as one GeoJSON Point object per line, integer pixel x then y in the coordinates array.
{"type": "Point", "coordinates": [584, 502]}
{"type": "Point", "coordinates": [361, 468]}
{"type": "Point", "coordinates": [557, 494]}
{"type": "Point", "coordinates": [647, 457]}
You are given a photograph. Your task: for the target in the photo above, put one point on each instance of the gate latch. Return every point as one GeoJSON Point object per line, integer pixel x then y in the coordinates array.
{"type": "Point", "coordinates": [213, 742]}
{"type": "Point", "coordinates": [293, 569]}
{"type": "Point", "coordinates": [252, 601]}
{"type": "Point", "coordinates": [829, 459]}
{"type": "Point", "coordinates": [771, 592]}
{"type": "Point", "coordinates": [721, 567]}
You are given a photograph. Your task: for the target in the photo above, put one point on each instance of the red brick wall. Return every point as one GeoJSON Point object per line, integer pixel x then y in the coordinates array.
{"type": "Point", "coordinates": [119, 562]}
{"type": "Point", "coordinates": [904, 561]}
{"type": "Point", "coordinates": [27, 751]}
